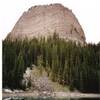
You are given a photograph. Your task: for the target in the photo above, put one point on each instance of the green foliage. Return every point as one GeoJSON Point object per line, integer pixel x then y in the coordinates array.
{"type": "Point", "coordinates": [65, 62]}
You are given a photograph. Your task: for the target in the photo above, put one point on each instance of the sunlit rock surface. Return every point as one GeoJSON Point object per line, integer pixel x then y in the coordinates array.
{"type": "Point", "coordinates": [44, 20]}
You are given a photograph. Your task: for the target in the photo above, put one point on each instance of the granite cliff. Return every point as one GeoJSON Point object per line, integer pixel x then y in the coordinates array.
{"type": "Point", "coordinates": [44, 20]}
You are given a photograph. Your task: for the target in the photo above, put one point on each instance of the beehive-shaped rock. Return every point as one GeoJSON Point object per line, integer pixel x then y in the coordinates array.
{"type": "Point", "coordinates": [44, 20]}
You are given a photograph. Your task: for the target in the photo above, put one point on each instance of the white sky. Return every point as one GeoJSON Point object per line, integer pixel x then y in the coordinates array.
{"type": "Point", "coordinates": [87, 12]}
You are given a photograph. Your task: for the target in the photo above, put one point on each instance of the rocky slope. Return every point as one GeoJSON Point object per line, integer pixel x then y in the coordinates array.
{"type": "Point", "coordinates": [44, 20]}
{"type": "Point", "coordinates": [37, 79]}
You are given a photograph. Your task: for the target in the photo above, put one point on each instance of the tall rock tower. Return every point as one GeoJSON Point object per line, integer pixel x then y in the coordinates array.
{"type": "Point", "coordinates": [44, 20]}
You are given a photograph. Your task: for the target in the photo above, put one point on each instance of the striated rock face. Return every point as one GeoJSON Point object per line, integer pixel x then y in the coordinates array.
{"type": "Point", "coordinates": [44, 20]}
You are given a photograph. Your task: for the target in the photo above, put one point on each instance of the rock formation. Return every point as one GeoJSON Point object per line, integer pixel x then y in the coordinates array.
{"type": "Point", "coordinates": [44, 20]}
{"type": "Point", "coordinates": [38, 82]}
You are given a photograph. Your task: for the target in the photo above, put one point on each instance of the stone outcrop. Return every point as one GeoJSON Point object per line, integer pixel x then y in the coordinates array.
{"type": "Point", "coordinates": [38, 81]}
{"type": "Point", "coordinates": [44, 20]}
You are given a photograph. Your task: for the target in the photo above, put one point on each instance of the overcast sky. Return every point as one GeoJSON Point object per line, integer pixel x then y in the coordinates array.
{"type": "Point", "coordinates": [87, 12]}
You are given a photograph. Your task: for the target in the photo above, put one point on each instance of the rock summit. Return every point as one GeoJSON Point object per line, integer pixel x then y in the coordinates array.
{"type": "Point", "coordinates": [44, 20]}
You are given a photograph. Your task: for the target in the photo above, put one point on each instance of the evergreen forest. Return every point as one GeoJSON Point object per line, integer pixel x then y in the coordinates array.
{"type": "Point", "coordinates": [68, 63]}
